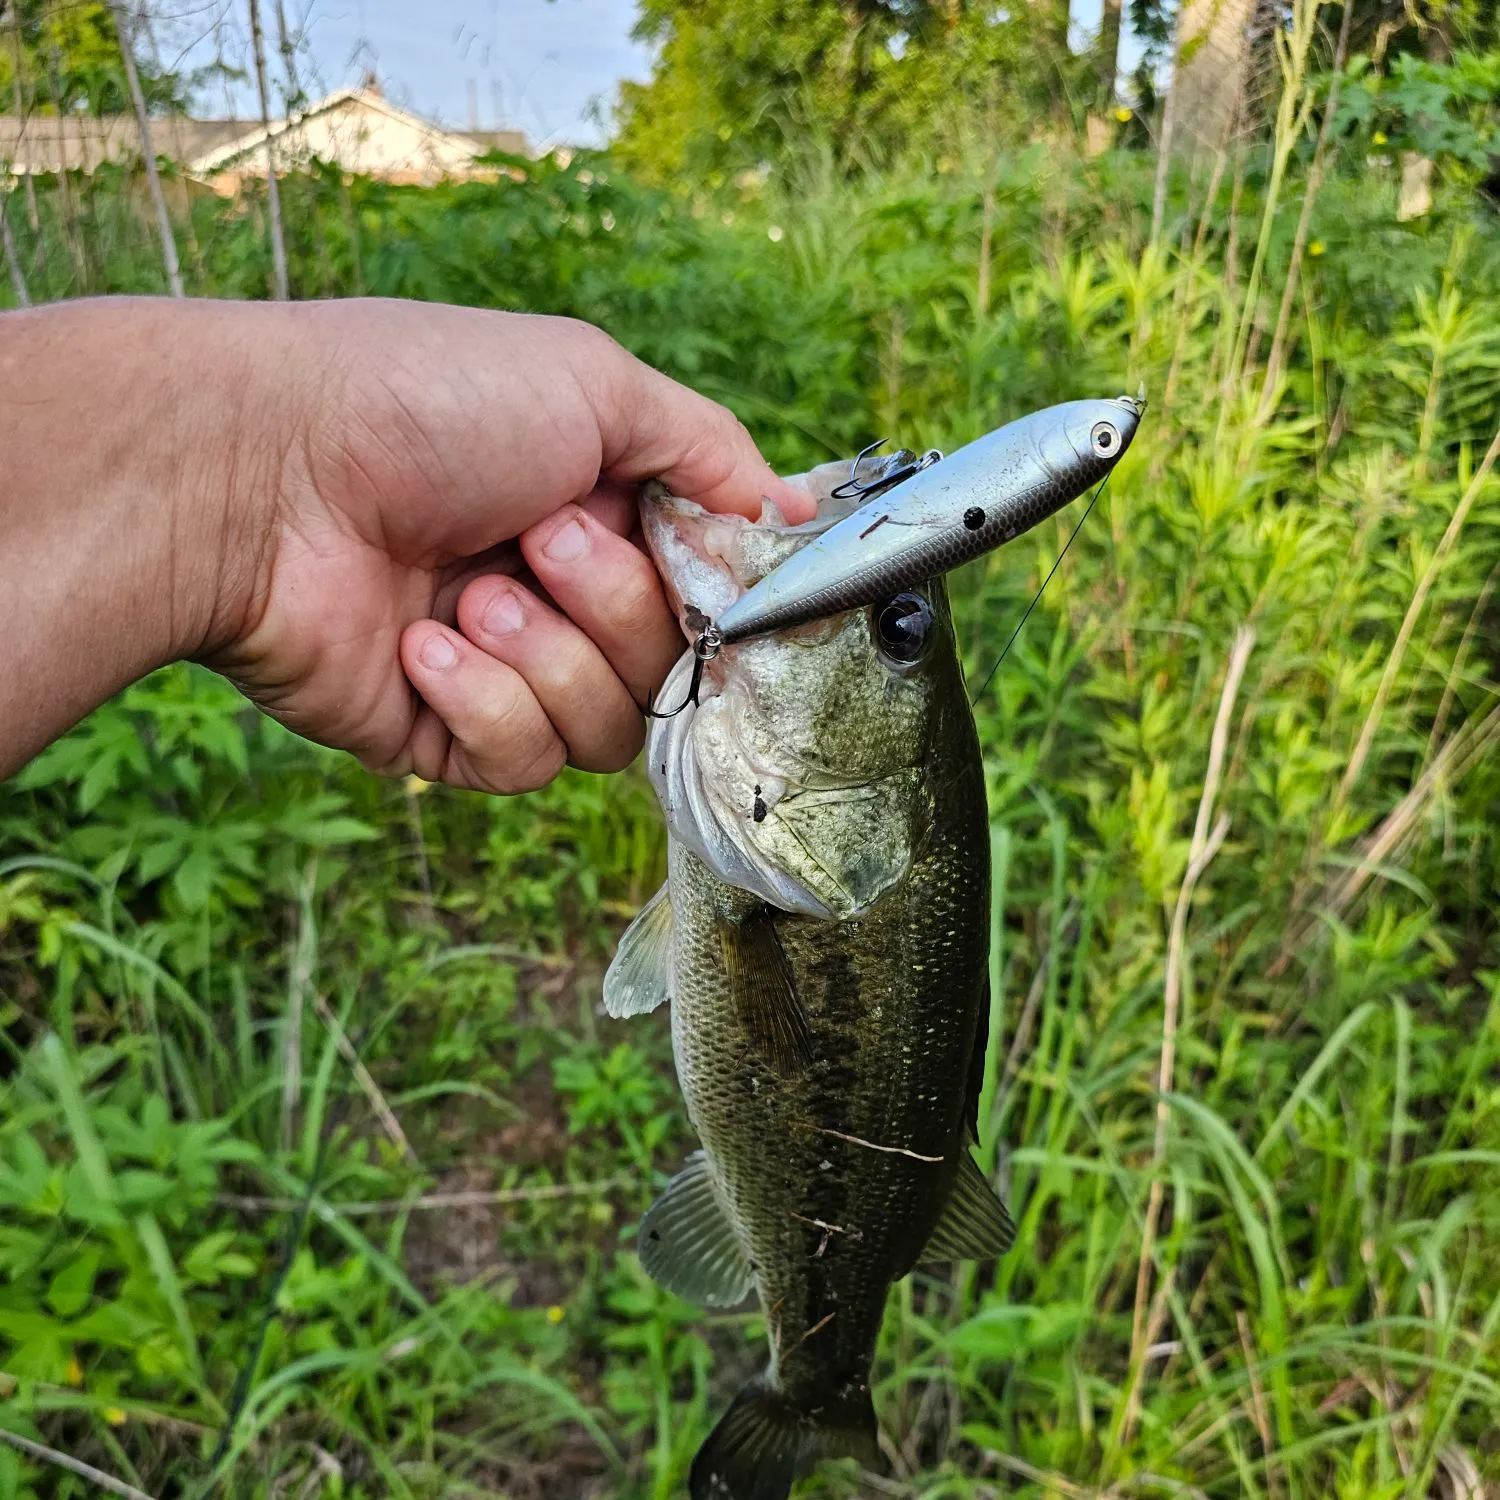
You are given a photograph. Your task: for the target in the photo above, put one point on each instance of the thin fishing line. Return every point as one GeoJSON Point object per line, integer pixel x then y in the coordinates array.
{"type": "Point", "coordinates": [1048, 579]}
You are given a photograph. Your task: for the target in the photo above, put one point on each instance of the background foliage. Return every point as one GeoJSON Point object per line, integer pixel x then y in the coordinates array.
{"type": "Point", "coordinates": [1276, 1277]}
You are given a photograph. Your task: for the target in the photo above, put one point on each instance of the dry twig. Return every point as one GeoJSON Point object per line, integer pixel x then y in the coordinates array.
{"type": "Point", "coordinates": [387, 1116]}
{"type": "Point", "coordinates": [1205, 844]}
{"type": "Point", "coordinates": [73, 1465]}
{"type": "Point", "coordinates": [357, 1209]}
{"type": "Point", "coordinates": [1413, 611]}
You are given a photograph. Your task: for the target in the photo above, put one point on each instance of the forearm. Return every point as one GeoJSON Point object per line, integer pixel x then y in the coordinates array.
{"type": "Point", "coordinates": [121, 464]}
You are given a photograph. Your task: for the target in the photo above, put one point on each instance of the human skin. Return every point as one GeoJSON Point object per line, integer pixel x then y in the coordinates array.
{"type": "Point", "coordinates": [403, 529]}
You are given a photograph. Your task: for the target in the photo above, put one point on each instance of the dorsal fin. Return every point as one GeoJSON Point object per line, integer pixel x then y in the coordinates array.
{"type": "Point", "coordinates": [688, 1245]}
{"type": "Point", "coordinates": [975, 1224]}
{"type": "Point", "coordinates": [639, 976]}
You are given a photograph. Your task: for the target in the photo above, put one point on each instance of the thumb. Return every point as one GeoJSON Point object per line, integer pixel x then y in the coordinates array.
{"type": "Point", "coordinates": [651, 427]}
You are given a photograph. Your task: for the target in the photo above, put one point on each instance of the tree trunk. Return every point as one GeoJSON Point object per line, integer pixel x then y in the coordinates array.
{"type": "Point", "coordinates": [124, 31]}
{"type": "Point", "coordinates": [295, 98]}
{"type": "Point", "coordinates": [72, 231]}
{"type": "Point", "coordinates": [273, 188]}
{"type": "Point", "coordinates": [8, 242]}
{"type": "Point", "coordinates": [18, 103]}
{"type": "Point", "coordinates": [1107, 51]}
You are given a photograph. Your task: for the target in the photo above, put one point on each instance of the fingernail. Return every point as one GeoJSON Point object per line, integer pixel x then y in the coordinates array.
{"type": "Point", "coordinates": [438, 653]}
{"type": "Point", "coordinates": [568, 543]}
{"type": "Point", "coordinates": [504, 616]}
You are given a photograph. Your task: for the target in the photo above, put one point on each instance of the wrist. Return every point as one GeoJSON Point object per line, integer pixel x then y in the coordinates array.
{"type": "Point", "coordinates": [131, 499]}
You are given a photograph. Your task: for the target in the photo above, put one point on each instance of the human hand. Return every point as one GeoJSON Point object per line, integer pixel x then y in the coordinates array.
{"type": "Point", "coordinates": [383, 472]}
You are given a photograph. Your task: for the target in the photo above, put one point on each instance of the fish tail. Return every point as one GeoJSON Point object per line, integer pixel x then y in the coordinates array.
{"type": "Point", "coordinates": [765, 1441]}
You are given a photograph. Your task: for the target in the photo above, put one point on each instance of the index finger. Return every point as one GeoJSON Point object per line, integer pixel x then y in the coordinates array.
{"type": "Point", "coordinates": [651, 427]}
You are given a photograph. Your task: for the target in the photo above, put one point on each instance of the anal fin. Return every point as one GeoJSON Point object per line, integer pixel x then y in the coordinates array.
{"type": "Point", "coordinates": [975, 1224]}
{"type": "Point", "coordinates": [765, 992]}
{"type": "Point", "coordinates": [688, 1245]}
{"type": "Point", "coordinates": [640, 974]}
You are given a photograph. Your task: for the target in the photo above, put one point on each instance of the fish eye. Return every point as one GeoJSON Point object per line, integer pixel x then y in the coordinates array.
{"type": "Point", "coordinates": [903, 625]}
{"type": "Point", "coordinates": [1105, 439]}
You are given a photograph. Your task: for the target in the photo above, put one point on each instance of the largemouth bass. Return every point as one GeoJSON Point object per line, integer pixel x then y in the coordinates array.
{"type": "Point", "coordinates": [822, 937]}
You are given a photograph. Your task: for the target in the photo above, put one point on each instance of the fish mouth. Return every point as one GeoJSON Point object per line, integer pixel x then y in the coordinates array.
{"type": "Point", "coordinates": [708, 560]}
{"type": "Point", "coordinates": [761, 817]}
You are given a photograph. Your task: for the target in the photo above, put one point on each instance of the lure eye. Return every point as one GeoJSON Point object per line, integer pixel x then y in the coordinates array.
{"type": "Point", "coordinates": [1105, 439]}
{"type": "Point", "coordinates": [903, 625]}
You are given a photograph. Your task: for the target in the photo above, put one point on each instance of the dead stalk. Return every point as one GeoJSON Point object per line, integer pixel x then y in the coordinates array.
{"type": "Point", "coordinates": [1299, 241]}
{"type": "Point", "coordinates": [273, 187]}
{"type": "Point", "coordinates": [1258, 1399]}
{"type": "Point", "coordinates": [1164, 141]}
{"type": "Point", "coordinates": [12, 256]}
{"type": "Point", "coordinates": [987, 206]}
{"type": "Point", "coordinates": [47, 1455]}
{"type": "Point", "coordinates": [1052, 1484]}
{"type": "Point", "coordinates": [429, 1201]}
{"type": "Point", "coordinates": [1205, 844]}
{"type": "Point", "coordinates": [1440, 719]}
{"type": "Point", "coordinates": [1408, 624]}
{"type": "Point", "coordinates": [1469, 743]}
{"type": "Point", "coordinates": [18, 104]}
{"type": "Point", "coordinates": [125, 32]}
{"type": "Point", "coordinates": [72, 230]}
{"type": "Point", "coordinates": [299, 981]}
{"type": "Point", "coordinates": [389, 1123]}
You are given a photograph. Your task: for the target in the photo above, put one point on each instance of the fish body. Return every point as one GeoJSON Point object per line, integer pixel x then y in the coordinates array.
{"type": "Point", "coordinates": [822, 937]}
{"type": "Point", "coordinates": [986, 494]}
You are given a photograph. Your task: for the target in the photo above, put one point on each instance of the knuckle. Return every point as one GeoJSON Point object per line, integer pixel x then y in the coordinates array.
{"type": "Point", "coordinates": [512, 743]}
{"type": "Point", "coordinates": [623, 748]}
{"type": "Point", "coordinates": [636, 605]}
{"type": "Point", "coordinates": [591, 339]}
{"type": "Point", "coordinates": [533, 773]}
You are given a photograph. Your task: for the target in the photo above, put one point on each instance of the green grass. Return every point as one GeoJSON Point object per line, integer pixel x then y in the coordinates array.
{"type": "Point", "coordinates": [187, 895]}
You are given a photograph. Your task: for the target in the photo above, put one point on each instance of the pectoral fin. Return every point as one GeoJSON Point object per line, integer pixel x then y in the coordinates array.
{"type": "Point", "coordinates": [765, 992]}
{"type": "Point", "coordinates": [640, 974]}
{"type": "Point", "coordinates": [975, 1224]}
{"type": "Point", "coordinates": [688, 1245]}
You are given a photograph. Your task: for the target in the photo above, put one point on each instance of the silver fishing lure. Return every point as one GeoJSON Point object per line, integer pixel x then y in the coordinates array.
{"type": "Point", "coordinates": [928, 515]}
{"type": "Point", "coordinates": [987, 493]}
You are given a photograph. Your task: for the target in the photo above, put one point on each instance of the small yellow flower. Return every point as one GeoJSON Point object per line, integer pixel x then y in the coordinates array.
{"type": "Point", "coordinates": [1122, 114]}
{"type": "Point", "coordinates": [1316, 248]}
{"type": "Point", "coordinates": [114, 1416]}
{"type": "Point", "coordinates": [416, 786]}
{"type": "Point", "coordinates": [554, 1314]}
{"type": "Point", "coordinates": [1378, 138]}
{"type": "Point", "coordinates": [74, 1373]}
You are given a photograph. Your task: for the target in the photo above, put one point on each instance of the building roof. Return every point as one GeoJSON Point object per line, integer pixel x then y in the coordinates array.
{"type": "Point", "coordinates": [338, 128]}
{"type": "Point", "coordinates": [359, 128]}
{"type": "Point", "coordinates": [51, 143]}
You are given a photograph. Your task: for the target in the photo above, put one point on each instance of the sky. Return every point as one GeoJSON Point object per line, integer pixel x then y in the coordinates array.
{"type": "Point", "coordinates": [541, 66]}
{"type": "Point", "coordinates": [546, 67]}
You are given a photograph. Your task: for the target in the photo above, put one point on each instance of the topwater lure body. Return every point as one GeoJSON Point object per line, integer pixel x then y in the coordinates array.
{"type": "Point", "coordinates": [932, 516]}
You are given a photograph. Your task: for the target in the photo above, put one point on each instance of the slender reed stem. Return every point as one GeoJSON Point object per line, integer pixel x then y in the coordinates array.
{"type": "Point", "coordinates": [12, 255]}
{"type": "Point", "coordinates": [1408, 624]}
{"type": "Point", "coordinates": [1277, 355]}
{"type": "Point", "coordinates": [46, 1455]}
{"type": "Point", "coordinates": [1205, 844]}
{"type": "Point", "coordinates": [273, 186]}
{"type": "Point", "coordinates": [19, 105]}
{"type": "Point", "coordinates": [125, 33]}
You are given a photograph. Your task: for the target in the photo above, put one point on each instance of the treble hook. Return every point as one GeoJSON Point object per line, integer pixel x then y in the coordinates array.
{"type": "Point", "coordinates": [705, 648]}
{"type": "Point", "coordinates": [901, 465]}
